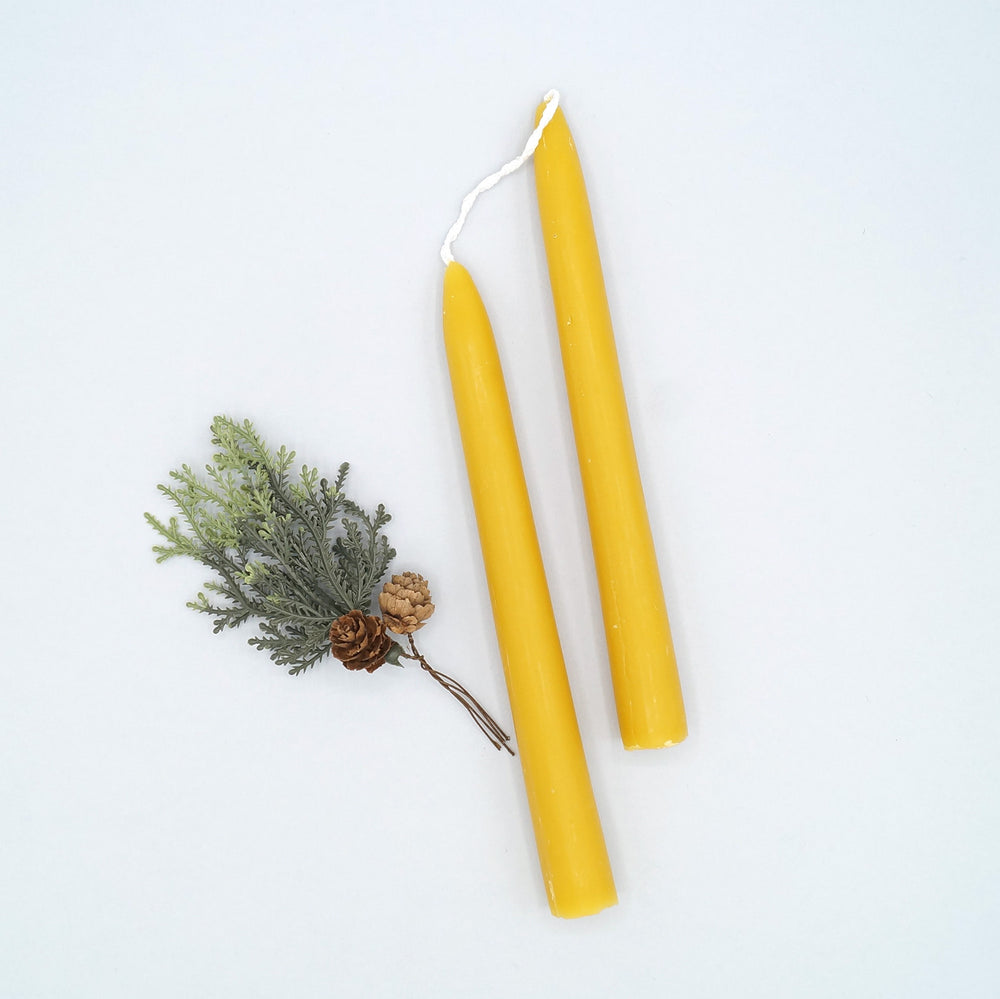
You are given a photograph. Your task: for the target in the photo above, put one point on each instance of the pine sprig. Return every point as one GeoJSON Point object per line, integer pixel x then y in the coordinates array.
{"type": "Point", "coordinates": [291, 550]}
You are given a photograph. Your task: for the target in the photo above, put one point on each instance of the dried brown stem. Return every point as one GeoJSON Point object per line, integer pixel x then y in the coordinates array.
{"type": "Point", "coordinates": [497, 736]}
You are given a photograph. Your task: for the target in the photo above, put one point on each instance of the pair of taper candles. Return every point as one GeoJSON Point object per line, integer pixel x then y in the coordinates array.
{"type": "Point", "coordinates": [571, 846]}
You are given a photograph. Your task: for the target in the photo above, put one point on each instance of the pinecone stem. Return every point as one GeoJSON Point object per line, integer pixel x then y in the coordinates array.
{"type": "Point", "coordinates": [497, 736]}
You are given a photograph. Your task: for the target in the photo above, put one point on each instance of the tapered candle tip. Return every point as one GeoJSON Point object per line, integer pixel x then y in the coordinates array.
{"type": "Point", "coordinates": [547, 109]}
{"type": "Point", "coordinates": [457, 281]}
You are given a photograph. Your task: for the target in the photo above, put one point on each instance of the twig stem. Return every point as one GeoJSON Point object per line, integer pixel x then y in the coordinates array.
{"type": "Point", "coordinates": [497, 736]}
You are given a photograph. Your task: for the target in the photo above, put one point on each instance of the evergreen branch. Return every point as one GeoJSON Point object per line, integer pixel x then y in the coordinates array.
{"type": "Point", "coordinates": [291, 551]}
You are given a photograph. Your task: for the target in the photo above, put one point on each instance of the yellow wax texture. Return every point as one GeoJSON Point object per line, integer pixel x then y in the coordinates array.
{"type": "Point", "coordinates": [571, 848]}
{"type": "Point", "coordinates": [640, 648]}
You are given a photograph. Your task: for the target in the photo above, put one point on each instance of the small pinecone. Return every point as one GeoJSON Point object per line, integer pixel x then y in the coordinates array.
{"type": "Point", "coordinates": [406, 603]}
{"type": "Point", "coordinates": [359, 640]}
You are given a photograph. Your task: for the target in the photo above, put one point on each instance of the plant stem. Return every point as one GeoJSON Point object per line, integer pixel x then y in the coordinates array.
{"type": "Point", "coordinates": [497, 736]}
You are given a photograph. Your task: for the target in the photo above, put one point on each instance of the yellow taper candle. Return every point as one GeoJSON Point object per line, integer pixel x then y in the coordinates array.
{"type": "Point", "coordinates": [571, 848]}
{"type": "Point", "coordinates": [641, 651]}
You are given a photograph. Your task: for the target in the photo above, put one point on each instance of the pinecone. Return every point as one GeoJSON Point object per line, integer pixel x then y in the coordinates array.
{"type": "Point", "coordinates": [359, 640]}
{"type": "Point", "coordinates": [406, 603]}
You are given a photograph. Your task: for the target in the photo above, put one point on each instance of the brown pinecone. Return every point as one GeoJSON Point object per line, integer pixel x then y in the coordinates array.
{"type": "Point", "coordinates": [406, 603]}
{"type": "Point", "coordinates": [359, 640]}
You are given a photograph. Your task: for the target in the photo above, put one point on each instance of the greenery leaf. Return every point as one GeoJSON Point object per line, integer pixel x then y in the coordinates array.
{"type": "Point", "coordinates": [290, 550]}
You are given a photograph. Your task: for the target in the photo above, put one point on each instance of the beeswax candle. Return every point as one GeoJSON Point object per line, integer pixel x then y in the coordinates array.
{"type": "Point", "coordinates": [571, 848]}
{"type": "Point", "coordinates": [641, 652]}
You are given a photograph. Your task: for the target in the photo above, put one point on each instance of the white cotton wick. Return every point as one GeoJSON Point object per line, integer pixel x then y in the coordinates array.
{"type": "Point", "coordinates": [551, 100]}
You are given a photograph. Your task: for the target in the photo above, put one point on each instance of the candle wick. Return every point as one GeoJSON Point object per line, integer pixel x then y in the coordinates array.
{"type": "Point", "coordinates": [551, 100]}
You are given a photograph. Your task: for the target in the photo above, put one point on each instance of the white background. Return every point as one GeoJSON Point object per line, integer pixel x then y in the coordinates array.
{"type": "Point", "coordinates": [237, 208]}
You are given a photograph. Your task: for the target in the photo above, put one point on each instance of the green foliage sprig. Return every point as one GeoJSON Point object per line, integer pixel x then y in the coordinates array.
{"type": "Point", "coordinates": [290, 549]}
{"type": "Point", "coordinates": [293, 551]}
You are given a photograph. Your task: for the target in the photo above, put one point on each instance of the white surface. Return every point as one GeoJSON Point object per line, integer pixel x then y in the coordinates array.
{"type": "Point", "coordinates": [238, 208]}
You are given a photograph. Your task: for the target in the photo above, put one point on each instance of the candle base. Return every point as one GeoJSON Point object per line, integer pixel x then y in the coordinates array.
{"type": "Point", "coordinates": [592, 908]}
{"type": "Point", "coordinates": [651, 745]}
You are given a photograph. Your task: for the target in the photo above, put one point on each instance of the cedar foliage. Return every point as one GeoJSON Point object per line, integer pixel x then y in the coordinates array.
{"type": "Point", "coordinates": [290, 549]}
